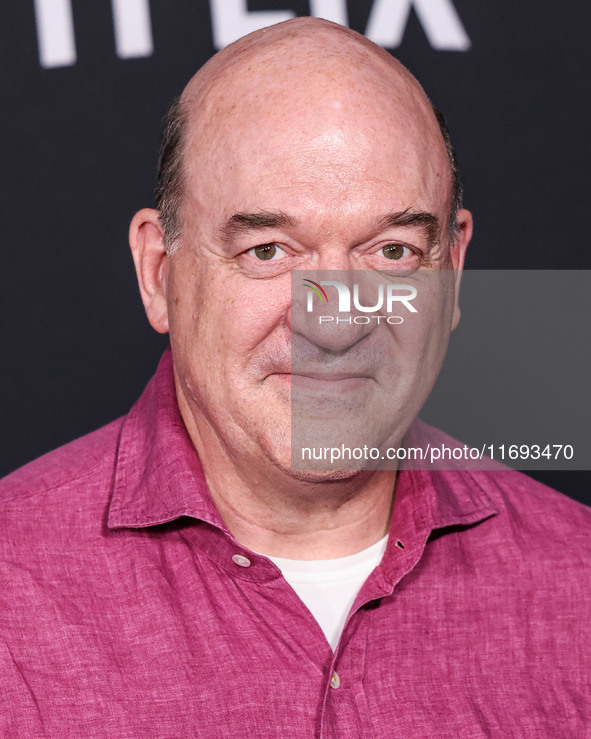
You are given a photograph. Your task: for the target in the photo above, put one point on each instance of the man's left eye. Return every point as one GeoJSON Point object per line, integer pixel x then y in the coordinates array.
{"type": "Point", "coordinates": [394, 251]}
{"type": "Point", "coordinates": [266, 252]}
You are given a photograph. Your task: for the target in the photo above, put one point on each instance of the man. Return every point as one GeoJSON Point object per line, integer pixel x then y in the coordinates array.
{"type": "Point", "coordinates": [146, 566]}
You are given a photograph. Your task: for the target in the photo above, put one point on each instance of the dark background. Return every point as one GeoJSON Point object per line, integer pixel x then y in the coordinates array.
{"type": "Point", "coordinates": [79, 147]}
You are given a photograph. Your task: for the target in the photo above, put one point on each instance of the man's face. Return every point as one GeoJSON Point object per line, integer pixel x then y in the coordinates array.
{"type": "Point", "coordinates": [298, 179]}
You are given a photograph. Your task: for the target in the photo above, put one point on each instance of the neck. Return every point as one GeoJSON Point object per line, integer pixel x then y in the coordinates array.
{"type": "Point", "coordinates": [280, 513]}
{"type": "Point", "coordinates": [318, 521]}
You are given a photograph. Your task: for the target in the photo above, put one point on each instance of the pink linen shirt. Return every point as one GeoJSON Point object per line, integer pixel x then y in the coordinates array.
{"type": "Point", "coordinates": [127, 608]}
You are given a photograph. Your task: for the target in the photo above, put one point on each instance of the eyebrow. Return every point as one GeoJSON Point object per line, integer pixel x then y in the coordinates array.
{"type": "Point", "coordinates": [428, 222]}
{"type": "Point", "coordinates": [241, 222]}
{"type": "Point", "coordinates": [262, 219]}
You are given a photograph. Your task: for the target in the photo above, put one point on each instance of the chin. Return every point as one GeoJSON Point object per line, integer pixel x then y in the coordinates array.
{"type": "Point", "coordinates": [326, 476]}
{"type": "Point", "coordinates": [279, 453]}
{"type": "Point", "coordinates": [320, 475]}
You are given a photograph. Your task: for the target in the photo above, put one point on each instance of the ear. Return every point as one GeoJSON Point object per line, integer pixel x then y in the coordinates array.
{"type": "Point", "coordinates": [457, 254]}
{"type": "Point", "coordinates": [146, 239]}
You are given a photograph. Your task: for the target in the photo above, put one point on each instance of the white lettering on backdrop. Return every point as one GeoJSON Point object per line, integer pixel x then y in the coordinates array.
{"type": "Point", "coordinates": [231, 19]}
{"type": "Point", "coordinates": [57, 41]}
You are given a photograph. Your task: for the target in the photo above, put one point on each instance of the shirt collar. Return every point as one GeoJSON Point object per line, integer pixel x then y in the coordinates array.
{"type": "Point", "coordinates": [452, 496]}
{"type": "Point", "coordinates": [158, 475]}
{"type": "Point", "coordinates": [159, 478]}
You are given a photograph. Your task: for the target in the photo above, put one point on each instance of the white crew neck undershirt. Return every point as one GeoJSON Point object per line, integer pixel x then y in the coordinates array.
{"type": "Point", "coordinates": [328, 587]}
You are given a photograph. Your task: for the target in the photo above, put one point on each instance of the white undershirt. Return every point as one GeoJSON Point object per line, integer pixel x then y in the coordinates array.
{"type": "Point", "coordinates": [328, 587]}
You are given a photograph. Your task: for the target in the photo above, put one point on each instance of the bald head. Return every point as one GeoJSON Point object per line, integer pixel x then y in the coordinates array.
{"type": "Point", "coordinates": [308, 72]}
{"type": "Point", "coordinates": [300, 45]}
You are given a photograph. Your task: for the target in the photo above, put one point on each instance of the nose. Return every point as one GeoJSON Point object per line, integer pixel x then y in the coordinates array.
{"type": "Point", "coordinates": [332, 310]}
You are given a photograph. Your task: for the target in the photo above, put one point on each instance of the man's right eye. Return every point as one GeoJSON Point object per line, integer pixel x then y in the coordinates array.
{"type": "Point", "coordinates": [266, 252]}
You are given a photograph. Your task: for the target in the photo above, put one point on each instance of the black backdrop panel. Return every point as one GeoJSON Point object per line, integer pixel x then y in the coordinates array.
{"type": "Point", "coordinates": [79, 146]}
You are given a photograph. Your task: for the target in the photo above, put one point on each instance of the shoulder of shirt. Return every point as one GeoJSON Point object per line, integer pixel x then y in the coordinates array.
{"type": "Point", "coordinates": [542, 519]}
{"type": "Point", "coordinates": [527, 509]}
{"type": "Point", "coordinates": [543, 534]}
{"type": "Point", "coordinates": [88, 457]}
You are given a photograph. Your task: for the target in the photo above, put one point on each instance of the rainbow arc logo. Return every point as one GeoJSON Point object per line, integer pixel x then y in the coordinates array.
{"type": "Point", "coordinates": [318, 289]}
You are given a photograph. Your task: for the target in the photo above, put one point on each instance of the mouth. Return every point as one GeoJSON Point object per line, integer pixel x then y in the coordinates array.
{"type": "Point", "coordinates": [322, 382]}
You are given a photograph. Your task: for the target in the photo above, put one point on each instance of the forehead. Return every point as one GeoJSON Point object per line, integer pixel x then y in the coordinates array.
{"type": "Point", "coordinates": [313, 132]}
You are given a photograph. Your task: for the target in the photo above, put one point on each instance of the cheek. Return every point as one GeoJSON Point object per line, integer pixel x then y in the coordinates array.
{"type": "Point", "coordinates": [437, 337]}
{"type": "Point", "coordinates": [226, 331]}
{"type": "Point", "coordinates": [425, 334]}
{"type": "Point", "coordinates": [192, 315]}
{"type": "Point", "coordinates": [235, 332]}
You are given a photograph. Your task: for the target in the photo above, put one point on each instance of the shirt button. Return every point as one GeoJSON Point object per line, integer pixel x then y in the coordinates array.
{"type": "Point", "coordinates": [335, 681]}
{"type": "Point", "coordinates": [240, 560]}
